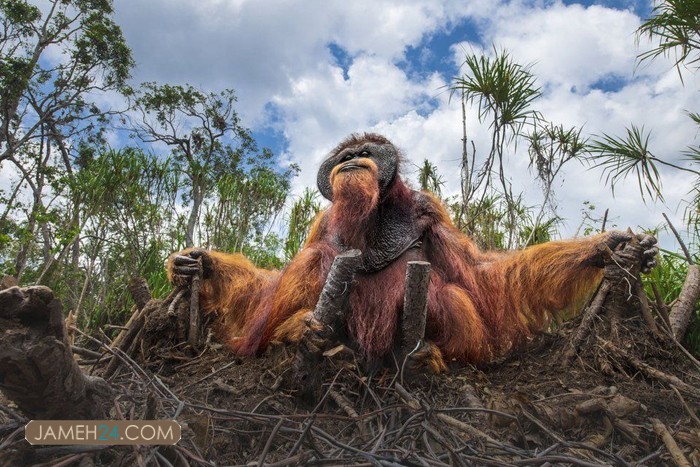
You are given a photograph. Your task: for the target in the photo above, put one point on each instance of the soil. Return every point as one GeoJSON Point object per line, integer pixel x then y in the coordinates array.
{"type": "Point", "coordinates": [530, 409]}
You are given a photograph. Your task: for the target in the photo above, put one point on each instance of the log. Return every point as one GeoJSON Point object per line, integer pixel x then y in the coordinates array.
{"type": "Point", "coordinates": [683, 310]}
{"type": "Point", "coordinates": [328, 314]}
{"type": "Point", "coordinates": [415, 305]}
{"type": "Point", "coordinates": [37, 369]}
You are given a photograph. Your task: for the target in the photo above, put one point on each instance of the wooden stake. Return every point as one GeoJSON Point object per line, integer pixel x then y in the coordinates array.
{"type": "Point", "coordinates": [193, 333]}
{"type": "Point", "coordinates": [415, 305]}
{"type": "Point", "coordinates": [328, 315]}
{"type": "Point", "coordinates": [331, 304]}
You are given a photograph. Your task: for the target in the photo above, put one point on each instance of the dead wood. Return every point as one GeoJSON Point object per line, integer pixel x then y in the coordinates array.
{"type": "Point", "coordinates": [661, 308]}
{"type": "Point", "coordinates": [138, 287]}
{"type": "Point", "coordinates": [587, 322]}
{"type": "Point", "coordinates": [37, 369]}
{"type": "Point", "coordinates": [619, 298]}
{"type": "Point", "coordinates": [126, 340]}
{"type": "Point", "coordinates": [538, 412]}
{"type": "Point", "coordinates": [193, 328]}
{"type": "Point", "coordinates": [645, 310]}
{"type": "Point", "coordinates": [670, 443]}
{"type": "Point", "coordinates": [682, 311]}
{"type": "Point", "coordinates": [328, 315]}
{"type": "Point", "coordinates": [680, 240]}
{"type": "Point", "coordinates": [415, 305]}
{"type": "Point", "coordinates": [87, 353]}
{"type": "Point", "coordinates": [648, 370]}
{"type": "Point", "coordinates": [414, 404]}
{"type": "Point", "coordinates": [331, 306]}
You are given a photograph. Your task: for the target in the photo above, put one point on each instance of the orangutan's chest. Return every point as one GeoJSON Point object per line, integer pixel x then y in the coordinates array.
{"type": "Point", "coordinates": [375, 305]}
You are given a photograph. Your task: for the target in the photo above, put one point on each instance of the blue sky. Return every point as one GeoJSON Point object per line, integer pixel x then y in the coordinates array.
{"type": "Point", "coordinates": [307, 73]}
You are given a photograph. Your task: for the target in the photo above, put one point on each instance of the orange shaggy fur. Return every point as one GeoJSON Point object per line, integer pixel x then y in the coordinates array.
{"type": "Point", "coordinates": [480, 304]}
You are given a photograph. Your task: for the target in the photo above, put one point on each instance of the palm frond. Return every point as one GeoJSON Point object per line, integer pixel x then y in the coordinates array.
{"type": "Point", "coordinates": [676, 25]}
{"type": "Point", "coordinates": [500, 88]}
{"type": "Point", "coordinates": [625, 156]}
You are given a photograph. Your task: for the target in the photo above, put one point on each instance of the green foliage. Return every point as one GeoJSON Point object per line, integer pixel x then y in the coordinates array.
{"type": "Point", "coordinates": [668, 276]}
{"type": "Point", "coordinates": [299, 219]}
{"type": "Point", "coordinates": [429, 179]}
{"type": "Point", "coordinates": [551, 146]}
{"type": "Point", "coordinates": [96, 59]}
{"type": "Point", "coordinates": [217, 156]}
{"type": "Point", "coordinates": [246, 201]}
{"type": "Point", "coordinates": [539, 233]}
{"type": "Point", "coordinates": [504, 92]}
{"type": "Point", "coordinates": [263, 251]}
{"type": "Point", "coordinates": [620, 157]}
{"type": "Point", "coordinates": [675, 24]}
{"type": "Point", "coordinates": [102, 42]}
{"type": "Point", "coordinates": [20, 14]}
{"type": "Point", "coordinates": [501, 88]}
{"type": "Point", "coordinates": [489, 223]}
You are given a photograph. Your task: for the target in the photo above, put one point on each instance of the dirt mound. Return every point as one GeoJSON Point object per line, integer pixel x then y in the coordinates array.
{"type": "Point", "coordinates": [528, 410]}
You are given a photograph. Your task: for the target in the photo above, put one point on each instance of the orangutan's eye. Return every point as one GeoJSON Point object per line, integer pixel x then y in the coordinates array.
{"type": "Point", "coordinates": [365, 153]}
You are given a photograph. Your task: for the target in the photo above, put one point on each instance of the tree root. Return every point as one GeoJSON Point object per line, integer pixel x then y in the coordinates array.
{"type": "Point", "coordinates": [37, 368]}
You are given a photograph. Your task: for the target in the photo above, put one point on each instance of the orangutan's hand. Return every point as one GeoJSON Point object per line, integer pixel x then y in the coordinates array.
{"type": "Point", "coordinates": [616, 239]}
{"type": "Point", "coordinates": [651, 249]}
{"type": "Point", "coordinates": [184, 265]}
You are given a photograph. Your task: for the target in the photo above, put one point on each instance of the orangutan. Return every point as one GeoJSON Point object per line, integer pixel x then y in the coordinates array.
{"type": "Point", "coordinates": [480, 304]}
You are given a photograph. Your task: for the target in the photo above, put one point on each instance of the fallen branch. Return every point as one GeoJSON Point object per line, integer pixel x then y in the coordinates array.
{"type": "Point", "coordinates": [587, 322]}
{"type": "Point", "coordinates": [413, 403]}
{"type": "Point", "coordinates": [670, 443]}
{"type": "Point", "coordinates": [193, 330]}
{"type": "Point", "coordinates": [648, 370]}
{"type": "Point", "coordinates": [680, 240]}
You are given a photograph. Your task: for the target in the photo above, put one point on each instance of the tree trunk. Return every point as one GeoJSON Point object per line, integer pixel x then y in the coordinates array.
{"type": "Point", "coordinates": [75, 257]}
{"type": "Point", "coordinates": [197, 197]}
{"type": "Point", "coordinates": [11, 103]}
{"type": "Point", "coordinates": [682, 311]}
{"type": "Point", "coordinates": [23, 254]}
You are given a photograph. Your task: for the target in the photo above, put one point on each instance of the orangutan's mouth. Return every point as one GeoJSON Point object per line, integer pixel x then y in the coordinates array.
{"type": "Point", "coordinates": [352, 165]}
